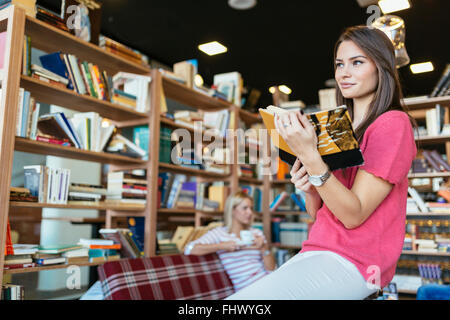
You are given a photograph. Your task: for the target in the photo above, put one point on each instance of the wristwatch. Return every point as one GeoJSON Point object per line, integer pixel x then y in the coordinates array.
{"type": "Point", "coordinates": [318, 181]}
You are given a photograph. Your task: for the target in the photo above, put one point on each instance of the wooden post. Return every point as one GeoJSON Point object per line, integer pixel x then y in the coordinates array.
{"type": "Point", "coordinates": [9, 101]}
{"type": "Point", "coordinates": [152, 167]}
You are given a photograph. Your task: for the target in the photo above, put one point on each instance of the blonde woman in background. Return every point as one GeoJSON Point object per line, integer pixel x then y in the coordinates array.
{"type": "Point", "coordinates": [245, 261]}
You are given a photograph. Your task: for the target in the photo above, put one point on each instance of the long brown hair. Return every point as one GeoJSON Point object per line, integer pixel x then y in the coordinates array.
{"type": "Point", "coordinates": [388, 95]}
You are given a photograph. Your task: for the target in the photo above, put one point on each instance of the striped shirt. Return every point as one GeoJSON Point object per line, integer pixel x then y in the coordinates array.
{"type": "Point", "coordinates": [243, 266]}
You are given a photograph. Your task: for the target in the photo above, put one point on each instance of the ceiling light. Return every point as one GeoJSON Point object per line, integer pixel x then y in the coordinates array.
{"type": "Point", "coordinates": [212, 48]}
{"type": "Point", "coordinates": [242, 4]}
{"type": "Point", "coordinates": [283, 88]}
{"type": "Point", "coordinates": [388, 6]}
{"type": "Point", "coordinates": [421, 67]}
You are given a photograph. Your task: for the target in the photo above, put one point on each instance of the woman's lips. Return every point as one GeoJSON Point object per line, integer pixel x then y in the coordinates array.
{"type": "Point", "coordinates": [347, 85]}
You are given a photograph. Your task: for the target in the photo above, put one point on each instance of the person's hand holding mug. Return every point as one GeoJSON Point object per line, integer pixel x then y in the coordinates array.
{"type": "Point", "coordinates": [229, 246]}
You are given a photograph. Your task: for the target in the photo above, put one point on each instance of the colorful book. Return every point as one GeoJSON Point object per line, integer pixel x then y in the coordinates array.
{"type": "Point", "coordinates": [337, 143]}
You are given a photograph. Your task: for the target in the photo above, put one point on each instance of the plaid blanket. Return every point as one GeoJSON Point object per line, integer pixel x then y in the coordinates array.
{"type": "Point", "coordinates": [165, 278]}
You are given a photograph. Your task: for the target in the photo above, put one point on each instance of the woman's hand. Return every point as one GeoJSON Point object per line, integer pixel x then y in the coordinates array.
{"type": "Point", "coordinates": [258, 244]}
{"type": "Point", "coordinates": [299, 135]}
{"type": "Point", "coordinates": [300, 178]}
{"type": "Point", "coordinates": [229, 246]}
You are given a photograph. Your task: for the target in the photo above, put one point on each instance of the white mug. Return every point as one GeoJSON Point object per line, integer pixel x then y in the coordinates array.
{"type": "Point", "coordinates": [247, 237]}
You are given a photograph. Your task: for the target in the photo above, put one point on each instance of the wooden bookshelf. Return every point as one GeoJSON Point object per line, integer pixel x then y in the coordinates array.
{"type": "Point", "coordinates": [426, 103]}
{"type": "Point", "coordinates": [435, 254]}
{"type": "Point", "coordinates": [283, 181]}
{"type": "Point", "coordinates": [429, 140]}
{"type": "Point", "coordinates": [39, 147]}
{"type": "Point", "coordinates": [191, 97]}
{"type": "Point", "coordinates": [284, 246]}
{"type": "Point", "coordinates": [48, 93]}
{"type": "Point", "coordinates": [40, 33]}
{"type": "Point", "coordinates": [100, 206]}
{"type": "Point", "coordinates": [192, 172]}
{"type": "Point", "coordinates": [50, 39]}
{"type": "Point", "coordinates": [429, 175]}
{"type": "Point", "coordinates": [250, 180]}
{"type": "Point", "coordinates": [427, 214]}
{"type": "Point", "coordinates": [248, 117]}
{"type": "Point", "coordinates": [52, 267]}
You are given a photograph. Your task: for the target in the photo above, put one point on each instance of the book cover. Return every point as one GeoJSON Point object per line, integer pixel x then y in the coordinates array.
{"type": "Point", "coordinates": [336, 143]}
{"type": "Point", "coordinates": [55, 64]}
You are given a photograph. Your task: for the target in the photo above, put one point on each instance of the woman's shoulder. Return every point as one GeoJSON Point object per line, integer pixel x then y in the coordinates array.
{"type": "Point", "coordinates": [393, 119]}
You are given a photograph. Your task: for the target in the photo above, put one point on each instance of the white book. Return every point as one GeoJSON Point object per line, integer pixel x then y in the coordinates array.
{"type": "Point", "coordinates": [80, 126]}
{"type": "Point", "coordinates": [105, 134]}
{"type": "Point", "coordinates": [95, 127]}
{"type": "Point", "coordinates": [19, 112]}
{"type": "Point", "coordinates": [48, 73]}
{"type": "Point", "coordinates": [98, 242]}
{"type": "Point", "coordinates": [419, 201]}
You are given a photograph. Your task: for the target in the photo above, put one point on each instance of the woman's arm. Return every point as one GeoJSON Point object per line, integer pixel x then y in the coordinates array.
{"type": "Point", "coordinates": [202, 249]}
{"type": "Point", "coordinates": [313, 202]}
{"type": "Point", "coordinates": [351, 207]}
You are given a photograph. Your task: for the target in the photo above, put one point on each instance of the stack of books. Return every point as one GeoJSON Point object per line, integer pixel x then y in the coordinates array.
{"type": "Point", "coordinates": [130, 86]}
{"type": "Point", "coordinates": [436, 161]}
{"type": "Point", "coordinates": [425, 245]}
{"type": "Point", "coordinates": [123, 146]}
{"type": "Point", "coordinates": [126, 189]}
{"type": "Point", "coordinates": [124, 99]}
{"type": "Point", "coordinates": [86, 194]}
{"type": "Point", "coordinates": [218, 121]}
{"type": "Point", "coordinates": [22, 257]}
{"type": "Point", "coordinates": [51, 18]}
{"type": "Point", "coordinates": [27, 115]}
{"type": "Point", "coordinates": [21, 194]}
{"type": "Point", "coordinates": [49, 185]}
{"type": "Point", "coordinates": [246, 170]}
{"type": "Point", "coordinates": [58, 129]}
{"type": "Point", "coordinates": [83, 77]}
{"type": "Point", "coordinates": [187, 195]}
{"type": "Point", "coordinates": [12, 292]}
{"type": "Point", "coordinates": [442, 87]}
{"type": "Point", "coordinates": [50, 255]}
{"type": "Point", "coordinates": [187, 118]}
{"type": "Point", "coordinates": [100, 250]}
{"type": "Point", "coordinates": [45, 75]}
{"type": "Point", "coordinates": [166, 247]}
{"type": "Point", "coordinates": [121, 50]}
{"type": "Point", "coordinates": [130, 248]}
{"type": "Point", "coordinates": [93, 131]}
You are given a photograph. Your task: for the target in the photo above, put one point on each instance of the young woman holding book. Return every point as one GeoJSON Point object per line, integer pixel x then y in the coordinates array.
{"type": "Point", "coordinates": [244, 260]}
{"type": "Point", "coordinates": [359, 212]}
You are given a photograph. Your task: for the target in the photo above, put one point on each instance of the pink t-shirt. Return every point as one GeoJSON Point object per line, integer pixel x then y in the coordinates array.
{"type": "Point", "coordinates": [388, 148]}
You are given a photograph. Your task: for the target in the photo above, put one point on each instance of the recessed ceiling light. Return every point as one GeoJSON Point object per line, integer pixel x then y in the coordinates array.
{"type": "Point", "coordinates": [388, 6]}
{"type": "Point", "coordinates": [283, 88]}
{"type": "Point", "coordinates": [212, 48]}
{"type": "Point", "coordinates": [421, 67]}
{"type": "Point", "coordinates": [242, 4]}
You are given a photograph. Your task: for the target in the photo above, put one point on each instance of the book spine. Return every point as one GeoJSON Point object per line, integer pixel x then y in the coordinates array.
{"type": "Point", "coordinates": [441, 162]}
{"type": "Point", "coordinates": [441, 81]}
{"type": "Point", "coordinates": [431, 161]}
{"type": "Point", "coordinates": [72, 79]}
{"type": "Point", "coordinates": [99, 81]}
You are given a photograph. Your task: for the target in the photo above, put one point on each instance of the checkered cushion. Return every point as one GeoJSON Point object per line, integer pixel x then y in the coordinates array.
{"type": "Point", "coordinates": [165, 278]}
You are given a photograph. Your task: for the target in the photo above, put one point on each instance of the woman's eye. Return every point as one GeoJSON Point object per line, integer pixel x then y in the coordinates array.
{"type": "Point", "coordinates": [339, 65]}
{"type": "Point", "coordinates": [357, 62]}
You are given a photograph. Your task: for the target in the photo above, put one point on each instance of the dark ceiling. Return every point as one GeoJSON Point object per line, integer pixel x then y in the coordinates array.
{"type": "Point", "coordinates": [277, 42]}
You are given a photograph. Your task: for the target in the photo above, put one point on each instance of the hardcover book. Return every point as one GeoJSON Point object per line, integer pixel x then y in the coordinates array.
{"type": "Point", "coordinates": [336, 143]}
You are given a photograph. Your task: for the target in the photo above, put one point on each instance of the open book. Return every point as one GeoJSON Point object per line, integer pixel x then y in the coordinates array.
{"type": "Point", "coordinates": [336, 143]}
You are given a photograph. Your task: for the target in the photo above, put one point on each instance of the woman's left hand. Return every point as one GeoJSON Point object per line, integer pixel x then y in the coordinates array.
{"type": "Point", "coordinates": [258, 243]}
{"type": "Point", "coordinates": [298, 133]}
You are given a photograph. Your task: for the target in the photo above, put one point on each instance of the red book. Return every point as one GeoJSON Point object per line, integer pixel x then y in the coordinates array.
{"type": "Point", "coordinates": [52, 82]}
{"type": "Point", "coordinates": [19, 266]}
{"type": "Point", "coordinates": [113, 246]}
{"type": "Point", "coordinates": [9, 250]}
{"type": "Point", "coordinates": [64, 142]}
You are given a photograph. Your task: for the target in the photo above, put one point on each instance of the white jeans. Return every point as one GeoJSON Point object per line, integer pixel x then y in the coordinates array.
{"type": "Point", "coordinates": [313, 275]}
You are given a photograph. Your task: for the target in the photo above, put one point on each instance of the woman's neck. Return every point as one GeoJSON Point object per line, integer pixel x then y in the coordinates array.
{"type": "Point", "coordinates": [360, 108]}
{"type": "Point", "coordinates": [236, 228]}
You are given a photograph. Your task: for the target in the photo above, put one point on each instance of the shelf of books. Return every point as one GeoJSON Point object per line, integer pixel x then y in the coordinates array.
{"type": "Point", "coordinates": [38, 147]}
{"type": "Point", "coordinates": [40, 33]}
{"type": "Point", "coordinates": [424, 253]}
{"type": "Point", "coordinates": [51, 94]}
{"type": "Point", "coordinates": [424, 102]}
{"type": "Point", "coordinates": [98, 85]}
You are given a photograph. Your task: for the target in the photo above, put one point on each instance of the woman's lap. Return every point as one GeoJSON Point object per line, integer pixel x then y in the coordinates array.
{"type": "Point", "coordinates": [314, 275]}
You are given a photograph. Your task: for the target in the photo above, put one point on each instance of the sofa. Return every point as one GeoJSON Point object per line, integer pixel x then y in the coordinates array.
{"type": "Point", "coordinates": [171, 277]}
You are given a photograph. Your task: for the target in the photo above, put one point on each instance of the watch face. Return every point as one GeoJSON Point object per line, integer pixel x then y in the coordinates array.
{"type": "Point", "coordinates": [315, 181]}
